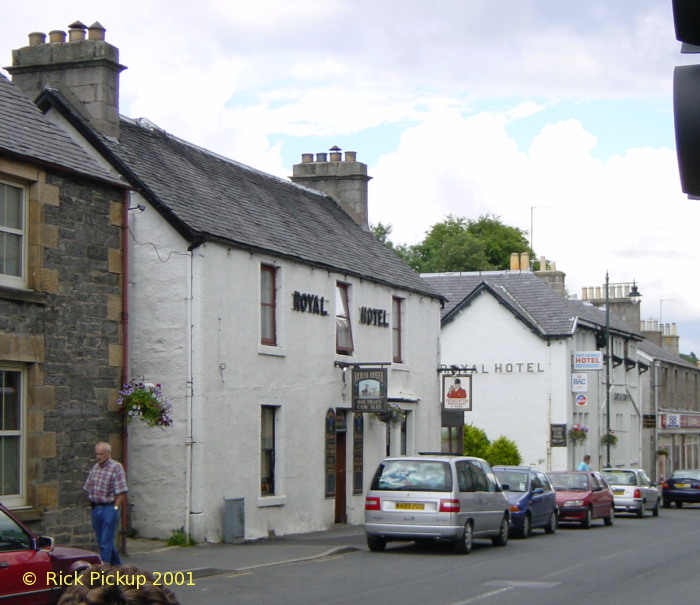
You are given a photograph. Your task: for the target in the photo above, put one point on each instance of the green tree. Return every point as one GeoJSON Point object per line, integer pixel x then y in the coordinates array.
{"type": "Point", "coordinates": [503, 451]}
{"type": "Point", "coordinates": [460, 244]}
{"type": "Point", "coordinates": [476, 443]}
{"type": "Point", "coordinates": [692, 358]}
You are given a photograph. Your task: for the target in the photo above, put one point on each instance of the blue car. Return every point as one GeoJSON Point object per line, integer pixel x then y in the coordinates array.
{"type": "Point", "coordinates": [532, 499]}
{"type": "Point", "coordinates": [682, 487]}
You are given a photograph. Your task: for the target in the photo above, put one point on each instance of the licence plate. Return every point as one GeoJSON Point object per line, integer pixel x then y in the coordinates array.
{"type": "Point", "coordinates": [682, 484]}
{"type": "Point", "coordinates": [618, 492]}
{"type": "Point", "coordinates": [410, 506]}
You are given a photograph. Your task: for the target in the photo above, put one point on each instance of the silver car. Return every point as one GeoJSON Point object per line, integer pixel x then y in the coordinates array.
{"type": "Point", "coordinates": [633, 491]}
{"type": "Point", "coordinates": [435, 497]}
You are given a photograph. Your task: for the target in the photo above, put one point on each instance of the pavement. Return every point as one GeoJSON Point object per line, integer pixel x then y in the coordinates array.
{"type": "Point", "coordinates": [207, 559]}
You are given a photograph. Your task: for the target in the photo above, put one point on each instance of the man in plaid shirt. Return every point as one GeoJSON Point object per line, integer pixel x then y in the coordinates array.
{"type": "Point", "coordinates": [106, 489]}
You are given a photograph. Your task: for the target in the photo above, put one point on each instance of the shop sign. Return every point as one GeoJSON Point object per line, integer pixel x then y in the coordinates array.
{"type": "Point", "coordinates": [457, 392]}
{"type": "Point", "coordinates": [579, 382]}
{"type": "Point", "coordinates": [557, 435]}
{"type": "Point", "coordinates": [588, 360]}
{"type": "Point", "coordinates": [369, 389]}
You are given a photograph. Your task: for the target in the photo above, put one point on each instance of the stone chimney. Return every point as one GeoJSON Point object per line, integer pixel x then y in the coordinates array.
{"type": "Point", "coordinates": [344, 180]}
{"type": "Point", "coordinates": [622, 305]}
{"type": "Point", "coordinates": [554, 279]}
{"type": "Point", "coordinates": [85, 68]}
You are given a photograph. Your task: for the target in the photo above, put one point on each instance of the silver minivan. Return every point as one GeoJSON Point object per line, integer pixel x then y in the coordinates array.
{"type": "Point", "coordinates": [435, 497]}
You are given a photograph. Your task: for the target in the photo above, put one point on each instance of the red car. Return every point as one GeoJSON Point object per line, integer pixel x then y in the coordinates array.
{"type": "Point", "coordinates": [583, 496]}
{"type": "Point", "coordinates": [32, 570]}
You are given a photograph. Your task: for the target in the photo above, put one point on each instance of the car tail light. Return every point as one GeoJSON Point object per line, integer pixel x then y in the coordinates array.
{"type": "Point", "coordinates": [372, 504]}
{"type": "Point", "coordinates": [665, 485]}
{"type": "Point", "coordinates": [449, 506]}
{"type": "Point", "coordinates": [637, 493]}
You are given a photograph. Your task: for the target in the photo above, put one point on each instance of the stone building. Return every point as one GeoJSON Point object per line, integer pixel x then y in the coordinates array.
{"type": "Point", "coordinates": [535, 360]}
{"type": "Point", "coordinates": [61, 329]}
{"type": "Point", "coordinates": [254, 302]}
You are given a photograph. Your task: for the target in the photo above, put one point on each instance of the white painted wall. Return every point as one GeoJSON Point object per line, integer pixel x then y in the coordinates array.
{"type": "Point", "coordinates": [233, 375]}
{"type": "Point", "coordinates": [523, 385]}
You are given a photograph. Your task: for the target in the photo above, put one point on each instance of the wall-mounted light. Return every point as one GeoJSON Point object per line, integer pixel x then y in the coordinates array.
{"type": "Point", "coordinates": [139, 207]}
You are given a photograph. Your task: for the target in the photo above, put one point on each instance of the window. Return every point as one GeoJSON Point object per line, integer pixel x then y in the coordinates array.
{"type": "Point", "coordinates": [343, 329]}
{"type": "Point", "coordinates": [267, 451]}
{"type": "Point", "coordinates": [12, 234]}
{"type": "Point", "coordinates": [11, 442]}
{"type": "Point", "coordinates": [396, 308]}
{"type": "Point", "coordinates": [268, 304]}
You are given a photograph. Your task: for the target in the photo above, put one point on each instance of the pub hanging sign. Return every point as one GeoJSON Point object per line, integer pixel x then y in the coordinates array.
{"type": "Point", "coordinates": [369, 389]}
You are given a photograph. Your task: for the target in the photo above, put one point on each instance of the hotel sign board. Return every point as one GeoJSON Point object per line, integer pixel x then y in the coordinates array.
{"type": "Point", "coordinates": [588, 360]}
{"type": "Point", "coordinates": [369, 389]}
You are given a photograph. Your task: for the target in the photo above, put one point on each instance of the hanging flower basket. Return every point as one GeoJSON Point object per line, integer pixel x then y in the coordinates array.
{"type": "Point", "coordinates": [608, 438]}
{"type": "Point", "coordinates": [393, 413]}
{"type": "Point", "coordinates": [145, 401]}
{"type": "Point", "coordinates": [662, 451]}
{"type": "Point", "coordinates": [578, 433]}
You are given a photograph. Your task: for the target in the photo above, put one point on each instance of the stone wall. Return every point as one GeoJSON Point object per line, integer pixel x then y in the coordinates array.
{"type": "Point", "coordinates": [66, 330]}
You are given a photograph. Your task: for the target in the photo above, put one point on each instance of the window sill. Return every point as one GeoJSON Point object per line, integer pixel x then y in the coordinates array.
{"type": "Point", "coordinates": [22, 295]}
{"type": "Point", "coordinates": [400, 366]}
{"type": "Point", "coordinates": [264, 501]}
{"type": "Point", "coordinates": [272, 350]}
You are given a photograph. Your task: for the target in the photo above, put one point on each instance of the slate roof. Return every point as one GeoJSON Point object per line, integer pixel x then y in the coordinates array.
{"type": "Point", "coordinates": [27, 135]}
{"type": "Point", "coordinates": [546, 312]}
{"type": "Point", "coordinates": [209, 197]}
{"type": "Point", "coordinates": [656, 352]}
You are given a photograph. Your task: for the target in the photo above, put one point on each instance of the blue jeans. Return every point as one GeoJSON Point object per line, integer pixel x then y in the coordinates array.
{"type": "Point", "coordinates": [104, 522]}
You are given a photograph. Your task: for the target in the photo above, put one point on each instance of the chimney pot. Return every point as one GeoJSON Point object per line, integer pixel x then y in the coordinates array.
{"type": "Point", "coordinates": [56, 36]}
{"type": "Point", "coordinates": [336, 156]}
{"type": "Point", "coordinates": [76, 31]}
{"type": "Point", "coordinates": [307, 158]}
{"type": "Point", "coordinates": [96, 31]}
{"type": "Point", "coordinates": [351, 156]}
{"type": "Point", "coordinates": [321, 157]}
{"type": "Point", "coordinates": [37, 38]}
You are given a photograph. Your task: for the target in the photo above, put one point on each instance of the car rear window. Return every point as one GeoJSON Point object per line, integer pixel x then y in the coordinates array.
{"type": "Point", "coordinates": [569, 481]}
{"type": "Point", "coordinates": [686, 474]}
{"type": "Point", "coordinates": [620, 477]}
{"type": "Point", "coordinates": [413, 475]}
{"type": "Point", "coordinates": [516, 481]}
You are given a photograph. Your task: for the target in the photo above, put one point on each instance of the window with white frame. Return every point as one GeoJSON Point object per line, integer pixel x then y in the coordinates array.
{"type": "Point", "coordinates": [12, 234]}
{"type": "Point", "coordinates": [267, 450]}
{"type": "Point", "coordinates": [268, 305]}
{"type": "Point", "coordinates": [343, 328]}
{"type": "Point", "coordinates": [11, 435]}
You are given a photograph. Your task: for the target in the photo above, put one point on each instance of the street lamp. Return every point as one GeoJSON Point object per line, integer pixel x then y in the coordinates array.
{"type": "Point", "coordinates": [634, 295]}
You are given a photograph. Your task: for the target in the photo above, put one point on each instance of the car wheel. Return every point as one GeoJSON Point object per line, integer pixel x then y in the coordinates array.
{"type": "Point", "coordinates": [610, 519]}
{"type": "Point", "coordinates": [376, 544]}
{"type": "Point", "coordinates": [502, 538]}
{"type": "Point", "coordinates": [655, 510]}
{"type": "Point", "coordinates": [679, 504]}
{"type": "Point", "coordinates": [526, 529]}
{"type": "Point", "coordinates": [551, 527]}
{"type": "Point", "coordinates": [586, 523]}
{"type": "Point", "coordinates": [463, 545]}
{"type": "Point", "coordinates": [667, 504]}
{"type": "Point", "coordinates": [641, 511]}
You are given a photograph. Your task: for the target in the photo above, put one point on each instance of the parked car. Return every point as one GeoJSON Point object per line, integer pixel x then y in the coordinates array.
{"type": "Point", "coordinates": [435, 497]}
{"type": "Point", "coordinates": [681, 487]}
{"type": "Point", "coordinates": [633, 491]}
{"type": "Point", "coordinates": [583, 496]}
{"type": "Point", "coordinates": [27, 562]}
{"type": "Point", "coordinates": [532, 499]}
